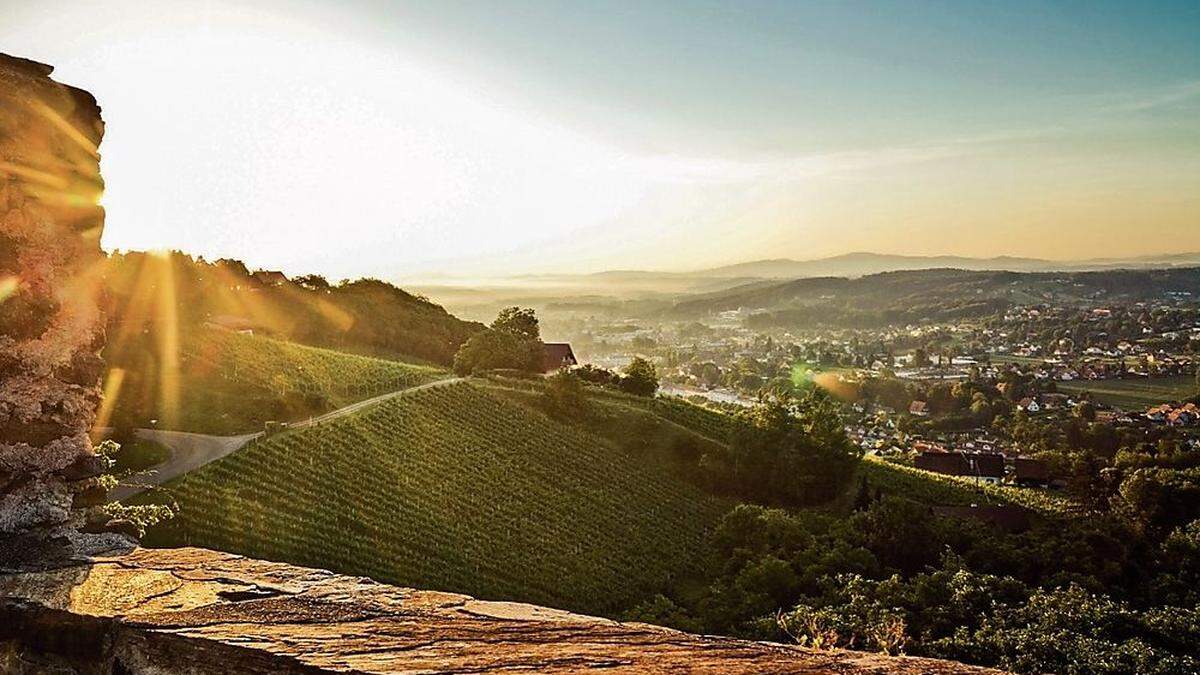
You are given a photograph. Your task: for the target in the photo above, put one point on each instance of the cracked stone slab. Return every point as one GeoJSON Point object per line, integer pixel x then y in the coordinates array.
{"type": "Point", "coordinates": [192, 610]}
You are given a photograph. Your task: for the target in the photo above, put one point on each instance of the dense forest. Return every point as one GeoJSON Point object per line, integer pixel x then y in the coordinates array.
{"type": "Point", "coordinates": [1101, 580]}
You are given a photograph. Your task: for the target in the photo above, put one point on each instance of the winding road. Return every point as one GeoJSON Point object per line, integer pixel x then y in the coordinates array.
{"type": "Point", "coordinates": [190, 451]}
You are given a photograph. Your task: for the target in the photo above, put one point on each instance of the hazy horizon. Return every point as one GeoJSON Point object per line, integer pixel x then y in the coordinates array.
{"type": "Point", "coordinates": [415, 139]}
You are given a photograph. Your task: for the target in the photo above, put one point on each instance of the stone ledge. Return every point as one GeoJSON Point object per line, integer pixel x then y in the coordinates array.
{"type": "Point", "coordinates": [198, 611]}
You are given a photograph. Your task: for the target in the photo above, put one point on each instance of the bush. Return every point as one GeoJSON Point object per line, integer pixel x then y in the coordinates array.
{"type": "Point", "coordinates": [564, 395]}
{"type": "Point", "coordinates": [640, 378]}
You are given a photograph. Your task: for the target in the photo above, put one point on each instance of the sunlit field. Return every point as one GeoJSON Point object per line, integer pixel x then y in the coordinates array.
{"type": "Point", "coordinates": [1136, 394]}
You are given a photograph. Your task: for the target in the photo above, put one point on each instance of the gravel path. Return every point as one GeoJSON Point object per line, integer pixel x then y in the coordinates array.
{"type": "Point", "coordinates": [191, 451]}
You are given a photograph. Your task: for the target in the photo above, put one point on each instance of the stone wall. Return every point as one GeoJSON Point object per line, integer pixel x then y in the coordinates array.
{"type": "Point", "coordinates": [194, 611]}
{"type": "Point", "coordinates": [50, 328]}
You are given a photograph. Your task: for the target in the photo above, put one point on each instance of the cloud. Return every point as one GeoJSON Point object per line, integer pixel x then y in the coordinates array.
{"type": "Point", "coordinates": [1162, 98]}
{"type": "Point", "coordinates": [709, 170]}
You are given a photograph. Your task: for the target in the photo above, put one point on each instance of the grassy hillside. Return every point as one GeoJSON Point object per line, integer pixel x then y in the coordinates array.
{"type": "Point", "coordinates": [458, 488]}
{"type": "Point", "coordinates": [152, 293]}
{"type": "Point", "coordinates": [1135, 394]}
{"type": "Point", "coordinates": [229, 383]}
{"type": "Point", "coordinates": [932, 488]}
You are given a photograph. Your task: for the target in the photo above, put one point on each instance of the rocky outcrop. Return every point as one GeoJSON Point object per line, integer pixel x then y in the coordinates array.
{"type": "Point", "coordinates": [197, 611]}
{"type": "Point", "coordinates": [50, 328]}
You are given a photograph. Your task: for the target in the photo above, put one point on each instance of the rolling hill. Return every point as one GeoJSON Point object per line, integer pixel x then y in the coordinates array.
{"type": "Point", "coordinates": [863, 264]}
{"type": "Point", "coordinates": [158, 293]}
{"type": "Point", "coordinates": [461, 488]}
{"type": "Point", "coordinates": [226, 383]}
{"type": "Point", "coordinates": [908, 296]}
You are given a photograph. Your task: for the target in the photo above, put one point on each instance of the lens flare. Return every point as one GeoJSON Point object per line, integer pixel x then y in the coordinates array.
{"type": "Point", "coordinates": [112, 392]}
{"type": "Point", "coordinates": [8, 286]}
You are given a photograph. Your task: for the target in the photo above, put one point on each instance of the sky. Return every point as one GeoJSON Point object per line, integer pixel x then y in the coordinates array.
{"type": "Point", "coordinates": [411, 140]}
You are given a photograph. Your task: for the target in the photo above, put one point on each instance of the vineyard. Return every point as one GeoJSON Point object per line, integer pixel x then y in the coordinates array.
{"type": "Point", "coordinates": [939, 489]}
{"type": "Point", "coordinates": [712, 424]}
{"type": "Point", "coordinates": [232, 383]}
{"type": "Point", "coordinates": [454, 488]}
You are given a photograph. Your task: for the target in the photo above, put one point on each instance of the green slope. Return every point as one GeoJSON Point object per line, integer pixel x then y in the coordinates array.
{"type": "Point", "coordinates": [1135, 394]}
{"type": "Point", "coordinates": [455, 488]}
{"type": "Point", "coordinates": [938, 489]}
{"type": "Point", "coordinates": [232, 383]}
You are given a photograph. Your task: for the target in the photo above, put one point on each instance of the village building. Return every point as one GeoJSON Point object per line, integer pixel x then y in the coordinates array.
{"type": "Point", "coordinates": [556, 355]}
{"type": "Point", "coordinates": [987, 467]}
{"type": "Point", "coordinates": [270, 277]}
{"type": "Point", "coordinates": [1030, 472]}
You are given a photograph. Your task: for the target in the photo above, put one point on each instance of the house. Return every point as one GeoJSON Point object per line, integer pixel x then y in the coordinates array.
{"type": "Point", "coordinates": [928, 446]}
{"type": "Point", "coordinates": [557, 355]}
{"type": "Point", "coordinates": [1052, 401]}
{"type": "Point", "coordinates": [1158, 413]}
{"type": "Point", "coordinates": [948, 463]}
{"type": "Point", "coordinates": [1029, 405]}
{"type": "Point", "coordinates": [918, 408]}
{"type": "Point", "coordinates": [270, 277]}
{"type": "Point", "coordinates": [1176, 416]}
{"type": "Point", "coordinates": [1030, 472]}
{"type": "Point", "coordinates": [988, 467]}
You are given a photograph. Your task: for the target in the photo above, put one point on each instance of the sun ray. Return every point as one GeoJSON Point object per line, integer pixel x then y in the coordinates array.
{"type": "Point", "coordinates": [112, 392]}
{"type": "Point", "coordinates": [168, 340]}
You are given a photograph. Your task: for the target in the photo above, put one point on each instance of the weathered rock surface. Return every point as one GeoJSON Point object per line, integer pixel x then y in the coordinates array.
{"type": "Point", "coordinates": [50, 325]}
{"type": "Point", "coordinates": [197, 611]}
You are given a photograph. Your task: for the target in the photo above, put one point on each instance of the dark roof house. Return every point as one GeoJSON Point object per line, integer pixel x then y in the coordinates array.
{"type": "Point", "coordinates": [985, 464]}
{"type": "Point", "coordinates": [1031, 471]}
{"type": "Point", "coordinates": [949, 463]}
{"type": "Point", "coordinates": [270, 277]}
{"type": "Point", "coordinates": [980, 464]}
{"type": "Point", "coordinates": [557, 355]}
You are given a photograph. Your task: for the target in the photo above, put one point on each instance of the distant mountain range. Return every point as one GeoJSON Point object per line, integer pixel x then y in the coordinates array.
{"type": "Point", "coordinates": [910, 296]}
{"type": "Point", "coordinates": [852, 265]}
{"type": "Point", "coordinates": [861, 264]}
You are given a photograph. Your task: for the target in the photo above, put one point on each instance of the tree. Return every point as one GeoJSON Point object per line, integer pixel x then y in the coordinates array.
{"type": "Point", "coordinates": [596, 375]}
{"type": "Point", "coordinates": [792, 451]}
{"type": "Point", "coordinates": [493, 349]}
{"type": "Point", "coordinates": [920, 358]}
{"type": "Point", "coordinates": [234, 267]}
{"type": "Point", "coordinates": [640, 378]}
{"type": "Point", "coordinates": [313, 282]}
{"type": "Point", "coordinates": [522, 322]}
{"type": "Point", "coordinates": [1086, 410]}
{"type": "Point", "coordinates": [511, 343]}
